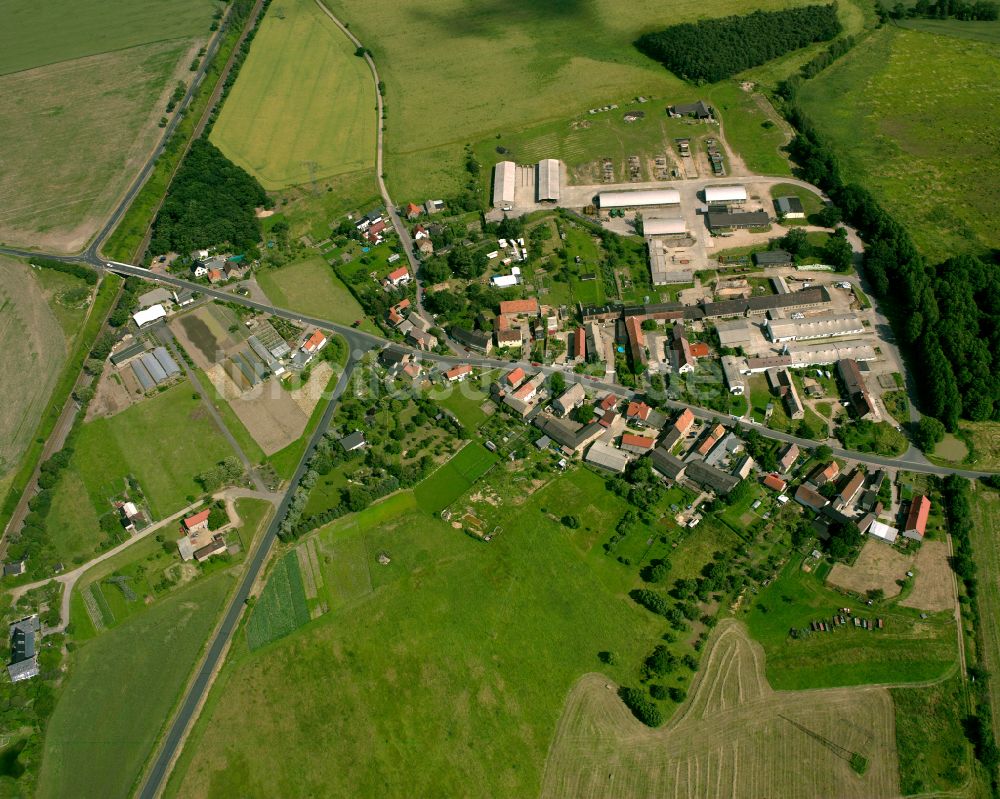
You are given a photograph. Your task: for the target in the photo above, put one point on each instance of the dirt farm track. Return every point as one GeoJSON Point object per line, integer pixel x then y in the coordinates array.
{"type": "Point", "coordinates": [734, 737]}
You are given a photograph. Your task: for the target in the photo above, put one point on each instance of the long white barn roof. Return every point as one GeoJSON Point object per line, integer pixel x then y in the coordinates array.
{"type": "Point", "coordinates": [548, 179]}
{"type": "Point", "coordinates": [503, 183]}
{"type": "Point", "coordinates": [635, 199]}
{"type": "Point", "coordinates": [663, 227]}
{"type": "Point", "coordinates": [725, 194]}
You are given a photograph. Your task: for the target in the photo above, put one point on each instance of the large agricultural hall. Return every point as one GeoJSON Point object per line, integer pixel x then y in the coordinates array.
{"type": "Point", "coordinates": [639, 199]}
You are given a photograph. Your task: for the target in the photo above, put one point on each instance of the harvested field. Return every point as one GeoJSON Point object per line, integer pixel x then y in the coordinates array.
{"type": "Point", "coordinates": [270, 413]}
{"type": "Point", "coordinates": [83, 128]}
{"type": "Point", "coordinates": [205, 334]}
{"type": "Point", "coordinates": [934, 587]}
{"type": "Point", "coordinates": [878, 566]}
{"type": "Point", "coordinates": [734, 737]}
{"type": "Point", "coordinates": [113, 393]}
{"type": "Point", "coordinates": [32, 351]}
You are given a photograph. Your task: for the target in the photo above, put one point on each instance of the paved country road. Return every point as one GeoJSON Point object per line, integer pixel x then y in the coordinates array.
{"type": "Point", "coordinates": [171, 743]}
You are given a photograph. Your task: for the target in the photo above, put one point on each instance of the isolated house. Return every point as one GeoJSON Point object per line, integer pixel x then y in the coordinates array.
{"type": "Point", "coordinates": [916, 519]}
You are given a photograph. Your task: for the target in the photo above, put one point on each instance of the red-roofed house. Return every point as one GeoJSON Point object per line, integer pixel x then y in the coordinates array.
{"type": "Point", "coordinates": [636, 340]}
{"type": "Point", "coordinates": [580, 344]}
{"type": "Point", "coordinates": [788, 457]}
{"type": "Point", "coordinates": [775, 483]}
{"type": "Point", "coordinates": [514, 377]}
{"type": "Point", "coordinates": [420, 232]}
{"type": "Point", "coordinates": [638, 411]}
{"type": "Point", "coordinates": [314, 343]}
{"type": "Point", "coordinates": [706, 445]}
{"type": "Point", "coordinates": [396, 312]}
{"type": "Point", "coordinates": [684, 421]}
{"type": "Point", "coordinates": [637, 444]}
{"type": "Point", "coordinates": [528, 307]}
{"type": "Point", "coordinates": [399, 277]}
{"type": "Point", "coordinates": [412, 370]}
{"type": "Point", "coordinates": [374, 233]}
{"type": "Point", "coordinates": [214, 275]}
{"type": "Point", "coordinates": [824, 474]}
{"type": "Point", "coordinates": [526, 392]}
{"type": "Point", "coordinates": [916, 519]}
{"type": "Point", "coordinates": [458, 373]}
{"type": "Point", "coordinates": [412, 211]}
{"type": "Point", "coordinates": [609, 402]}
{"type": "Point", "coordinates": [198, 521]}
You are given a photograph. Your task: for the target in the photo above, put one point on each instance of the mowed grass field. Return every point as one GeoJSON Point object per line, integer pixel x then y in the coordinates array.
{"type": "Point", "coordinates": [121, 689]}
{"type": "Point", "coordinates": [312, 287]}
{"type": "Point", "coordinates": [986, 546]}
{"type": "Point", "coordinates": [281, 608]}
{"type": "Point", "coordinates": [506, 67]}
{"type": "Point", "coordinates": [163, 441]}
{"type": "Point", "coordinates": [908, 649]}
{"type": "Point", "coordinates": [734, 737]}
{"type": "Point", "coordinates": [445, 669]}
{"type": "Point", "coordinates": [303, 107]}
{"type": "Point", "coordinates": [32, 352]}
{"type": "Point", "coordinates": [453, 479]}
{"type": "Point", "coordinates": [37, 34]}
{"type": "Point", "coordinates": [75, 133]}
{"type": "Point", "coordinates": [908, 114]}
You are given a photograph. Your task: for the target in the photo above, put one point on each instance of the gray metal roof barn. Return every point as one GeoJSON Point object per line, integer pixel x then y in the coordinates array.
{"type": "Point", "coordinates": [548, 180]}
{"type": "Point", "coordinates": [638, 199]}
{"type": "Point", "coordinates": [503, 183]}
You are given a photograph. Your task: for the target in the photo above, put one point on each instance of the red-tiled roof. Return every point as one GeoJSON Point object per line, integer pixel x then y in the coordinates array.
{"type": "Point", "coordinates": [632, 440]}
{"type": "Point", "coordinates": [398, 274]}
{"type": "Point", "coordinates": [609, 402]}
{"type": "Point", "coordinates": [706, 446]}
{"type": "Point", "coordinates": [525, 391]}
{"type": "Point", "coordinates": [412, 209]}
{"type": "Point", "coordinates": [684, 421]}
{"type": "Point", "coordinates": [198, 518]}
{"type": "Point", "coordinates": [638, 410]}
{"type": "Point", "coordinates": [412, 369]}
{"type": "Point", "coordinates": [920, 508]}
{"type": "Point", "coordinates": [580, 342]}
{"type": "Point", "coordinates": [699, 349]}
{"type": "Point", "coordinates": [515, 377]}
{"type": "Point", "coordinates": [458, 371]}
{"type": "Point", "coordinates": [775, 483]}
{"type": "Point", "coordinates": [529, 306]}
{"type": "Point", "coordinates": [314, 341]}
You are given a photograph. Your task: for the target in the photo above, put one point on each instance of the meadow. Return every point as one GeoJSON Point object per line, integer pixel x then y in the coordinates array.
{"type": "Point", "coordinates": [302, 108]}
{"type": "Point", "coordinates": [83, 128]}
{"type": "Point", "coordinates": [511, 66]}
{"type": "Point", "coordinates": [445, 668]}
{"type": "Point", "coordinates": [37, 34]}
{"type": "Point", "coordinates": [311, 287]}
{"type": "Point", "coordinates": [121, 689]}
{"type": "Point", "coordinates": [905, 128]}
{"type": "Point", "coordinates": [985, 506]}
{"type": "Point", "coordinates": [32, 352]}
{"type": "Point", "coordinates": [976, 31]}
{"type": "Point", "coordinates": [163, 441]}
{"type": "Point", "coordinates": [734, 737]}
{"type": "Point", "coordinates": [454, 478]}
{"type": "Point", "coordinates": [908, 649]}
{"type": "Point", "coordinates": [281, 607]}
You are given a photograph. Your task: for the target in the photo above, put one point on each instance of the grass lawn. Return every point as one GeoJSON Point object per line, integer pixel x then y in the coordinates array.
{"type": "Point", "coordinates": [887, 106]}
{"type": "Point", "coordinates": [811, 203]}
{"type": "Point", "coordinates": [73, 521]}
{"type": "Point", "coordinates": [459, 644]}
{"type": "Point", "coordinates": [163, 441]}
{"type": "Point", "coordinates": [908, 649]}
{"type": "Point", "coordinates": [312, 287]}
{"type": "Point", "coordinates": [756, 135]}
{"type": "Point", "coordinates": [302, 108]}
{"type": "Point", "coordinates": [933, 752]}
{"type": "Point", "coordinates": [37, 34]}
{"type": "Point", "coordinates": [449, 482]}
{"type": "Point", "coordinates": [83, 130]}
{"type": "Point", "coordinates": [120, 690]}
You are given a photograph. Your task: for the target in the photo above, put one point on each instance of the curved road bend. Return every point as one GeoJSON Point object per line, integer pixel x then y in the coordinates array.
{"type": "Point", "coordinates": [912, 460]}
{"type": "Point", "coordinates": [198, 690]}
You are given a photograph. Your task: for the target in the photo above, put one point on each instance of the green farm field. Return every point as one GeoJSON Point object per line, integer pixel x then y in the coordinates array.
{"type": "Point", "coordinates": [312, 287]}
{"type": "Point", "coordinates": [975, 31]}
{"type": "Point", "coordinates": [303, 106]}
{"type": "Point", "coordinates": [281, 608]}
{"type": "Point", "coordinates": [510, 67]}
{"type": "Point", "coordinates": [37, 34]}
{"type": "Point", "coordinates": [422, 662]}
{"type": "Point", "coordinates": [32, 352]}
{"type": "Point", "coordinates": [452, 480]}
{"type": "Point", "coordinates": [904, 112]}
{"type": "Point", "coordinates": [83, 129]}
{"type": "Point", "coordinates": [909, 649]}
{"type": "Point", "coordinates": [985, 506]}
{"type": "Point", "coordinates": [163, 441]}
{"type": "Point", "coordinates": [120, 691]}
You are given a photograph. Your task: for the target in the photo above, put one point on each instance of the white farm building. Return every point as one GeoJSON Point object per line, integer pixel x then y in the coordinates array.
{"type": "Point", "coordinates": [639, 199]}
{"type": "Point", "coordinates": [664, 227]}
{"type": "Point", "coordinates": [716, 195]}
{"type": "Point", "coordinates": [548, 180]}
{"type": "Point", "coordinates": [504, 177]}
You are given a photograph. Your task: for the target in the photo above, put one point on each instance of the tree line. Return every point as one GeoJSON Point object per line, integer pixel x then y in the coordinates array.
{"type": "Point", "coordinates": [946, 315]}
{"type": "Point", "coordinates": [85, 273]}
{"type": "Point", "coordinates": [211, 202]}
{"type": "Point", "coordinates": [711, 50]}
